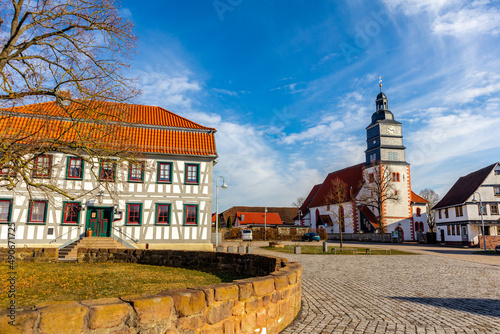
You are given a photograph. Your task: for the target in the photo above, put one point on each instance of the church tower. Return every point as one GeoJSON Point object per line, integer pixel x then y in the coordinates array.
{"type": "Point", "coordinates": [384, 136]}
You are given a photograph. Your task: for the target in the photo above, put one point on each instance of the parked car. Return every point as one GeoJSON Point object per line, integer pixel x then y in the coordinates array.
{"type": "Point", "coordinates": [310, 236]}
{"type": "Point", "coordinates": [246, 235]}
{"type": "Point", "coordinates": [497, 249]}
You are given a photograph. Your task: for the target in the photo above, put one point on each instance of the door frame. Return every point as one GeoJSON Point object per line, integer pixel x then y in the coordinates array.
{"type": "Point", "coordinates": [103, 208]}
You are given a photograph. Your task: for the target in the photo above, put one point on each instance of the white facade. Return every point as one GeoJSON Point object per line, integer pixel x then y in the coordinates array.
{"type": "Point", "coordinates": [459, 222]}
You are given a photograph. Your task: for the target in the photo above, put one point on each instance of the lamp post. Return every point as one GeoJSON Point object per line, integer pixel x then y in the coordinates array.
{"type": "Point", "coordinates": [265, 223]}
{"type": "Point", "coordinates": [481, 212]}
{"type": "Point", "coordinates": [223, 186]}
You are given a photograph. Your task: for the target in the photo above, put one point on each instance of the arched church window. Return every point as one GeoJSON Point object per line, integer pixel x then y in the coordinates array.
{"type": "Point", "coordinates": [419, 212]}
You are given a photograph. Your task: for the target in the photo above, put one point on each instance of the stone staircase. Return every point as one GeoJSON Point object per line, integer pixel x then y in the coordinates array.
{"type": "Point", "coordinates": [69, 252]}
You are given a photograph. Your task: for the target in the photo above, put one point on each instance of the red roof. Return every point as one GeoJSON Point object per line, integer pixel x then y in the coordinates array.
{"type": "Point", "coordinates": [352, 176]}
{"type": "Point", "coordinates": [305, 206]}
{"type": "Point", "coordinates": [370, 216]}
{"type": "Point", "coordinates": [139, 129]}
{"type": "Point", "coordinates": [418, 199]}
{"type": "Point", "coordinates": [257, 218]}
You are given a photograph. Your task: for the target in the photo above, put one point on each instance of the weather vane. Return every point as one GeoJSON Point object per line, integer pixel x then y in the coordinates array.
{"type": "Point", "coordinates": [380, 82]}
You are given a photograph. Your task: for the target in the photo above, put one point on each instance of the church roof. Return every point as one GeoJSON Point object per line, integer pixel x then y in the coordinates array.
{"type": "Point", "coordinates": [305, 206]}
{"type": "Point", "coordinates": [352, 176]}
{"type": "Point", "coordinates": [464, 188]}
{"type": "Point", "coordinates": [381, 96]}
{"type": "Point", "coordinates": [115, 126]}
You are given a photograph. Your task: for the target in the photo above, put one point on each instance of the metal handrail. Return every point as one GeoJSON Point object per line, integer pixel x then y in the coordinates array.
{"type": "Point", "coordinates": [71, 230]}
{"type": "Point", "coordinates": [125, 234]}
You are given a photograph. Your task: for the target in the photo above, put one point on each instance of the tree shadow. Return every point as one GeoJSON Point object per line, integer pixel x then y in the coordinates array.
{"type": "Point", "coordinates": [482, 306]}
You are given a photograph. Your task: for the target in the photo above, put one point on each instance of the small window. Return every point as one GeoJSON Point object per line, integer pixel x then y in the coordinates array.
{"type": "Point", "coordinates": [107, 170]}
{"type": "Point", "coordinates": [6, 168]}
{"type": "Point", "coordinates": [192, 173]}
{"type": "Point", "coordinates": [419, 212]}
{"type": "Point", "coordinates": [453, 230]}
{"type": "Point", "coordinates": [497, 191]}
{"type": "Point", "coordinates": [446, 213]}
{"type": "Point", "coordinates": [165, 172]}
{"type": "Point", "coordinates": [136, 171]}
{"type": "Point", "coordinates": [162, 214]}
{"type": "Point", "coordinates": [134, 214]}
{"type": "Point", "coordinates": [396, 192]}
{"type": "Point", "coordinates": [191, 214]}
{"type": "Point", "coordinates": [372, 178]}
{"type": "Point", "coordinates": [395, 177]}
{"type": "Point", "coordinates": [482, 209]}
{"type": "Point", "coordinates": [497, 171]}
{"type": "Point", "coordinates": [494, 209]}
{"type": "Point", "coordinates": [5, 210]}
{"type": "Point", "coordinates": [71, 213]}
{"type": "Point", "coordinates": [448, 228]}
{"type": "Point", "coordinates": [439, 214]}
{"type": "Point", "coordinates": [42, 166]}
{"type": "Point", "coordinates": [458, 230]}
{"type": "Point", "coordinates": [74, 168]}
{"type": "Point", "coordinates": [37, 212]}
{"type": "Point", "coordinates": [373, 157]}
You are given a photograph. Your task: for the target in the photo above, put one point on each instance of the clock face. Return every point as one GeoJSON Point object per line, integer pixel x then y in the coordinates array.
{"type": "Point", "coordinates": [391, 130]}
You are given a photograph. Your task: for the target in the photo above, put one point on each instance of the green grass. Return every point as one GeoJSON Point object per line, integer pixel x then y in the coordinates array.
{"type": "Point", "coordinates": [487, 252]}
{"type": "Point", "coordinates": [44, 282]}
{"type": "Point", "coordinates": [337, 251]}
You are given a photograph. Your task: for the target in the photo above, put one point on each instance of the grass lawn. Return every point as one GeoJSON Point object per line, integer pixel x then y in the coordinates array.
{"type": "Point", "coordinates": [336, 250]}
{"type": "Point", "coordinates": [43, 282]}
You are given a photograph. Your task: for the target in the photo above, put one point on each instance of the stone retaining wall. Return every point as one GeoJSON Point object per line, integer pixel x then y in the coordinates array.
{"type": "Point", "coordinates": [23, 254]}
{"type": "Point", "coordinates": [373, 237]}
{"type": "Point", "coordinates": [265, 304]}
{"type": "Point", "coordinates": [491, 241]}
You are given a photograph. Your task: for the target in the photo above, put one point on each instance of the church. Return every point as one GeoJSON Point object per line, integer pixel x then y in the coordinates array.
{"type": "Point", "coordinates": [374, 196]}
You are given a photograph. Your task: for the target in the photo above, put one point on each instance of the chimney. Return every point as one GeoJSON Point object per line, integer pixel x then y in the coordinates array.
{"type": "Point", "coordinates": [64, 97]}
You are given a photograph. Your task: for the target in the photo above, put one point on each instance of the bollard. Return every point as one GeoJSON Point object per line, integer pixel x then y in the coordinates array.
{"type": "Point", "coordinates": [325, 247]}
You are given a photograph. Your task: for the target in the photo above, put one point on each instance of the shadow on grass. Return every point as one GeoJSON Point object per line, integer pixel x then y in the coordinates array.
{"type": "Point", "coordinates": [482, 306]}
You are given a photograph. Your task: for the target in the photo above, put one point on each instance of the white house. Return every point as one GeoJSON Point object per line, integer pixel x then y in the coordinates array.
{"type": "Point", "coordinates": [458, 215]}
{"type": "Point", "coordinates": [385, 154]}
{"type": "Point", "coordinates": [163, 199]}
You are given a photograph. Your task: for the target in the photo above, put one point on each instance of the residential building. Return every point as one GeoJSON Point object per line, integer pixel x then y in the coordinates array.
{"type": "Point", "coordinates": [286, 214]}
{"type": "Point", "coordinates": [257, 219]}
{"type": "Point", "coordinates": [160, 199]}
{"type": "Point", "coordinates": [385, 164]}
{"type": "Point", "coordinates": [458, 214]}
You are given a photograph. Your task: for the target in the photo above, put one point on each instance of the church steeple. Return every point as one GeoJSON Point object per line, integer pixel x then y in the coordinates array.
{"type": "Point", "coordinates": [384, 135]}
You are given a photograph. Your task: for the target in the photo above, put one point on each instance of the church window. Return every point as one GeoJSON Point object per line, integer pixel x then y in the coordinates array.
{"type": "Point", "coordinates": [395, 177]}
{"type": "Point", "coordinates": [393, 156]}
{"type": "Point", "coordinates": [494, 209]}
{"type": "Point", "coordinates": [373, 157]}
{"type": "Point", "coordinates": [419, 212]}
{"type": "Point", "coordinates": [395, 192]}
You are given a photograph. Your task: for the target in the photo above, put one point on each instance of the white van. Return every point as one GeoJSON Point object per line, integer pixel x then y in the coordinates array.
{"type": "Point", "coordinates": [246, 235]}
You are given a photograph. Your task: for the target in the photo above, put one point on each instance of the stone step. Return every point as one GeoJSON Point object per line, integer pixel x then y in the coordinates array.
{"type": "Point", "coordinates": [69, 253]}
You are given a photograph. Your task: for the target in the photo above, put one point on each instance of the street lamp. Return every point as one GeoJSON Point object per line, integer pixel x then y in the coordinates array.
{"type": "Point", "coordinates": [265, 223]}
{"type": "Point", "coordinates": [223, 186]}
{"type": "Point", "coordinates": [481, 212]}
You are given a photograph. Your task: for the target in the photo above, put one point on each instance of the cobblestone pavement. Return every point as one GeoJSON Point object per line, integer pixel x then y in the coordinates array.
{"type": "Point", "coordinates": [396, 294]}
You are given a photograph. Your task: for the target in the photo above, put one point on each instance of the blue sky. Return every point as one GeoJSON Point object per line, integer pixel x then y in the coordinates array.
{"type": "Point", "coordinates": [291, 85]}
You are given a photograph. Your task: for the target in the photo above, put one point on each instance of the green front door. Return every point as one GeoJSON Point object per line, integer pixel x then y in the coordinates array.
{"type": "Point", "coordinates": [99, 221]}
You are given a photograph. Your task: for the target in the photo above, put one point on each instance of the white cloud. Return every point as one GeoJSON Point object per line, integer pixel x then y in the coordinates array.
{"type": "Point", "coordinates": [414, 7]}
{"type": "Point", "coordinates": [468, 21]}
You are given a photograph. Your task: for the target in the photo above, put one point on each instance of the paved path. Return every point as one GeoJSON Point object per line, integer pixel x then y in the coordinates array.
{"type": "Point", "coordinates": [432, 293]}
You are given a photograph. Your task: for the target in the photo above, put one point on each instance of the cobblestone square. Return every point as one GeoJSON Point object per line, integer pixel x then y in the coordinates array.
{"type": "Point", "coordinates": [397, 294]}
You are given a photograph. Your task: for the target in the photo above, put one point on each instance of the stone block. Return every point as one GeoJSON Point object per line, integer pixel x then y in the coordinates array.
{"type": "Point", "coordinates": [263, 286]}
{"type": "Point", "coordinates": [226, 292]}
{"type": "Point", "coordinates": [24, 322]}
{"type": "Point", "coordinates": [187, 301]}
{"type": "Point", "coordinates": [107, 312]}
{"type": "Point", "coordinates": [261, 317]}
{"type": "Point", "coordinates": [251, 305]}
{"type": "Point", "coordinates": [152, 309]}
{"type": "Point", "coordinates": [265, 301]}
{"type": "Point", "coordinates": [245, 290]}
{"type": "Point", "coordinates": [249, 322]}
{"type": "Point", "coordinates": [228, 327]}
{"type": "Point", "coordinates": [62, 317]}
{"type": "Point", "coordinates": [281, 280]}
{"type": "Point", "coordinates": [211, 329]}
{"type": "Point", "coordinates": [219, 311]}
{"type": "Point", "coordinates": [239, 309]}
{"type": "Point", "coordinates": [273, 311]}
{"type": "Point", "coordinates": [190, 324]}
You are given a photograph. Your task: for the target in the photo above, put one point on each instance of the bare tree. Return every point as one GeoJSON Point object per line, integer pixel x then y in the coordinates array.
{"type": "Point", "coordinates": [379, 190]}
{"type": "Point", "coordinates": [433, 199]}
{"type": "Point", "coordinates": [338, 194]}
{"type": "Point", "coordinates": [298, 202]}
{"type": "Point", "coordinates": [72, 52]}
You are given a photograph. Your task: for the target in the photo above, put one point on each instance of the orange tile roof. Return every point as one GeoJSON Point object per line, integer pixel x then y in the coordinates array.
{"type": "Point", "coordinates": [145, 129]}
{"type": "Point", "coordinates": [258, 218]}
{"type": "Point", "coordinates": [418, 199]}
